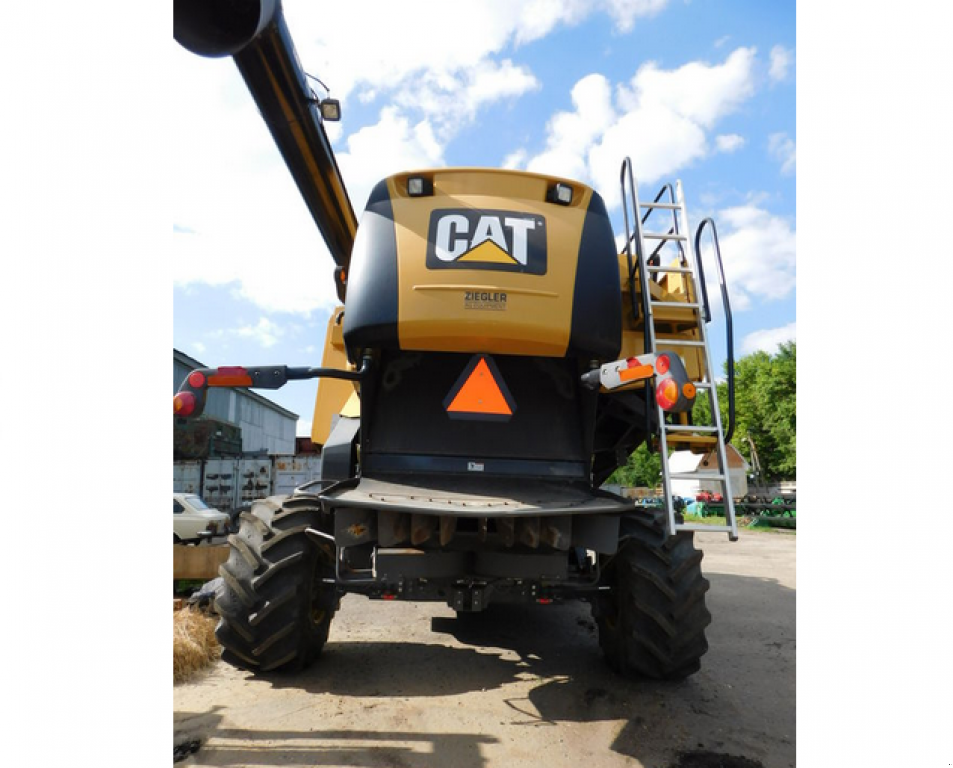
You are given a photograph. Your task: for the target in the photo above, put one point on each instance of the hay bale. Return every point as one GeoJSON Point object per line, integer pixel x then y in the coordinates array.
{"type": "Point", "coordinates": [194, 646]}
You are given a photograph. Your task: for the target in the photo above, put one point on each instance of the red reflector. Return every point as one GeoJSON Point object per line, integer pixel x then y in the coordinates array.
{"type": "Point", "coordinates": [197, 379]}
{"type": "Point", "coordinates": [478, 392]}
{"type": "Point", "coordinates": [183, 404]}
{"type": "Point", "coordinates": [666, 394]}
{"type": "Point", "coordinates": [661, 364]}
{"type": "Point", "coordinates": [544, 600]}
{"type": "Point", "coordinates": [388, 597]}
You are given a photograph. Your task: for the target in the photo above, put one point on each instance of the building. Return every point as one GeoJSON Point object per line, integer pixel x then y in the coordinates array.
{"type": "Point", "coordinates": [266, 427]}
{"type": "Point", "coordinates": [686, 462]}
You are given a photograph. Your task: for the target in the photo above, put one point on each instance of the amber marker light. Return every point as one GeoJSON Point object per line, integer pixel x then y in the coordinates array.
{"type": "Point", "coordinates": [230, 377]}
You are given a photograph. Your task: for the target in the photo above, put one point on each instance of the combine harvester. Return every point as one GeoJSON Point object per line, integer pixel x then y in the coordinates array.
{"type": "Point", "coordinates": [494, 359]}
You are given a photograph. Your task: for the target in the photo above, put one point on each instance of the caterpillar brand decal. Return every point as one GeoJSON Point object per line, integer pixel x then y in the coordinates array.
{"type": "Point", "coordinates": [505, 241]}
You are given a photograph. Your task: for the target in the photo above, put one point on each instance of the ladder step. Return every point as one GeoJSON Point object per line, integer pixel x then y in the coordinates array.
{"type": "Point", "coordinates": [660, 236]}
{"type": "Point", "coordinates": [683, 304]}
{"type": "Point", "coordinates": [675, 270]}
{"type": "Point", "coordinates": [663, 206]}
{"type": "Point", "coordinates": [678, 343]}
{"type": "Point", "coordinates": [688, 428]}
{"type": "Point", "coordinates": [692, 440]}
{"type": "Point", "coordinates": [702, 527]}
{"type": "Point", "coordinates": [695, 476]}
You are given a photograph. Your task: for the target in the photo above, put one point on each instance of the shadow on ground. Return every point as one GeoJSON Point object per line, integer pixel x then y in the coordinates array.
{"type": "Point", "coordinates": [744, 697]}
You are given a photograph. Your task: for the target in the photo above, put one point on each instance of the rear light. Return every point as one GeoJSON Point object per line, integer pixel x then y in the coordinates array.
{"type": "Point", "coordinates": [561, 193]}
{"type": "Point", "coordinates": [183, 404]}
{"type": "Point", "coordinates": [197, 379]}
{"type": "Point", "coordinates": [418, 186]}
{"type": "Point", "coordinates": [666, 394]}
{"type": "Point", "coordinates": [662, 364]}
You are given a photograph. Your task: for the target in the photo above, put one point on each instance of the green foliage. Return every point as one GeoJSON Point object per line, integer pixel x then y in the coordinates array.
{"type": "Point", "coordinates": [643, 470]}
{"type": "Point", "coordinates": [766, 405]}
{"type": "Point", "coordinates": [765, 409]}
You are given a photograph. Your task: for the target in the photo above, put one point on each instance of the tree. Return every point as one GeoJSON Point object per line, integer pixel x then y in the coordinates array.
{"type": "Point", "coordinates": [765, 409]}
{"type": "Point", "coordinates": [642, 470]}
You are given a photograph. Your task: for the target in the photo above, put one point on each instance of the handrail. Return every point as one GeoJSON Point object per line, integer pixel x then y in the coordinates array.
{"type": "Point", "coordinates": [647, 333]}
{"type": "Point", "coordinates": [627, 165]}
{"type": "Point", "coordinates": [728, 325]}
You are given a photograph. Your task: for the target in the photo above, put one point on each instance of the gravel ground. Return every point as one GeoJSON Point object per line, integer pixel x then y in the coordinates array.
{"type": "Point", "coordinates": [405, 684]}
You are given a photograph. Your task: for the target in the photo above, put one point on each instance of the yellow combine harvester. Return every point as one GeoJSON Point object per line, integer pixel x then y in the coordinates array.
{"type": "Point", "coordinates": [493, 361]}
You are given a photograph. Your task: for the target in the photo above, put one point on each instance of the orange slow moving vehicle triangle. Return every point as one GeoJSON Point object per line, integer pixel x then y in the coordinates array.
{"type": "Point", "coordinates": [480, 394]}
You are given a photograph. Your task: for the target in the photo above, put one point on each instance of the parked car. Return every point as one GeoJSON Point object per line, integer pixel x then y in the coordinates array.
{"type": "Point", "coordinates": [193, 520]}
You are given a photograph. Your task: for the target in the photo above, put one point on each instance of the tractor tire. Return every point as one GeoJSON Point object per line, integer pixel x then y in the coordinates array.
{"type": "Point", "coordinates": [275, 607]}
{"type": "Point", "coordinates": [652, 622]}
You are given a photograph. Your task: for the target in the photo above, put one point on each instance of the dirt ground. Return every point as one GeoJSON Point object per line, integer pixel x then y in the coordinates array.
{"type": "Point", "coordinates": [405, 684]}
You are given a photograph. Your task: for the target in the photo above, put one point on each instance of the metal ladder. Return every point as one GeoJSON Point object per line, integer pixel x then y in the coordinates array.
{"type": "Point", "coordinates": [689, 265]}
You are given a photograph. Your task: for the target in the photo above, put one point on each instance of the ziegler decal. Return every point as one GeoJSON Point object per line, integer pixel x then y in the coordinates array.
{"type": "Point", "coordinates": [495, 301]}
{"type": "Point", "coordinates": [504, 241]}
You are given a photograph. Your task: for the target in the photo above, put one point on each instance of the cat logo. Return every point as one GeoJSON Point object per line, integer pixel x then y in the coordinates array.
{"type": "Point", "coordinates": [506, 241]}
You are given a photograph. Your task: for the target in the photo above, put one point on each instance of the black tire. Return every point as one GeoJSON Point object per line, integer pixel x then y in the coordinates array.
{"type": "Point", "coordinates": [275, 609]}
{"type": "Point", "coordinates": [652, 622]}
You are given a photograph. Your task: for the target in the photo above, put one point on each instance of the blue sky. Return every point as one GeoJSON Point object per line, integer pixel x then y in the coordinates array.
{"type": "Point", "coordinates": [700, 91]}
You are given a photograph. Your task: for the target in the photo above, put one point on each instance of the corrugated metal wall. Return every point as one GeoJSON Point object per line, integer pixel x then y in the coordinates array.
{"type": "Point", "coordinates": [265, 428]}
{"type": "Point", "coordinates": [229, 483]}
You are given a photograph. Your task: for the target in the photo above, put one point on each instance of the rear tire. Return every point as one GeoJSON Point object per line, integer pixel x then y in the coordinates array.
{"type": "Point", "coordinates": [275, 609]}
{"type": "Point", "coordinates": [652, 623]}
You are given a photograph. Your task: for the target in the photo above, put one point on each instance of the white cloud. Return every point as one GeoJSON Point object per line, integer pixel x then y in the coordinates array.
{"type": "Point", "coordinates": [391, 146]}
{"type": "Point", "coordinates": [660, 119]}
{"type": "Point", "coordinates": [515, 160]}
{"type": "Point", "coordinates": [198, 347]}
{"type": "Point", "coordinates": [450, 101]}
{"type": "Point", "coordinates": [412, 37]}
{"type": "Point", "coordinates": [697, 91]}
{"type": "Point", "coordinates": [266, 332]}
{"type": "Point", "coordinates": [759, 254]}
{"type": "Point", "coordinates": [729, 142]}
{"type": "Point", "coordinates": [769, 339]}
{"type": "Point", "coordinates": [282, 273]}
{"type": "Point", "coordinates": [570, 134]}
{"type": "Point", "coordinates": [783, 149]}
{"type": "Point", "coordinates": [780, 63]}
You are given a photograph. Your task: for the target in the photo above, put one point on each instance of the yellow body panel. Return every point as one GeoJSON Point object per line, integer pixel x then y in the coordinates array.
{"type": "Point", "coordinates": [333, 394]}
{"type": "Point", "coordinates": [537, 308]}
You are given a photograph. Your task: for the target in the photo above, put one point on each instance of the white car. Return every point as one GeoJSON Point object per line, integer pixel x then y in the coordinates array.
{"type": "Point", "coordinates": [194, 520]}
